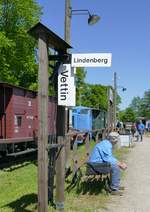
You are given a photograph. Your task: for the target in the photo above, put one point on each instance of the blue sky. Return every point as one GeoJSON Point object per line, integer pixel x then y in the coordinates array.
{"type": "Point", "coordinates": [123, 30]}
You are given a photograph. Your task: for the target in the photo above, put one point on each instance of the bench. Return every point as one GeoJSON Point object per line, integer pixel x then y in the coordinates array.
{"type": "Point", "coordinates": [101, 170]}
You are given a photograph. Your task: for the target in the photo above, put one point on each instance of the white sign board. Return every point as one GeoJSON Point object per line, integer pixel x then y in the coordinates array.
{"type": "Point", "coordinates": [125, 140]}
{"type": "Point", "coordinates": [66, 85]}
{"type": "Point", "coordinates": [91, 60]}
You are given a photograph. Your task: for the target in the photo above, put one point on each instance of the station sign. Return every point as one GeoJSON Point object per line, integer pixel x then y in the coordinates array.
{"type": "Point", "coordinates": [66, 85]}
{"type": "Point", "coordinates": [91, 60]}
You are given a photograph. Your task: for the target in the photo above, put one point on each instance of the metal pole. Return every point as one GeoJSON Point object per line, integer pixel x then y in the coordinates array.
{"type": "Point", "coordinates": [108, 107]}
{"type": "Point", "coordinates": [115, 97]}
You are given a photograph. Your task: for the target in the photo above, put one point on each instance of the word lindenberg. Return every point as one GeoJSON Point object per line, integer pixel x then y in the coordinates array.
{"type": "Point", "coordinates": [93, 60]}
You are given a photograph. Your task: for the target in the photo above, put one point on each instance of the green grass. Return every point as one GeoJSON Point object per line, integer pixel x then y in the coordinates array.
{"type": "Point", "coordinates": [18, 190]}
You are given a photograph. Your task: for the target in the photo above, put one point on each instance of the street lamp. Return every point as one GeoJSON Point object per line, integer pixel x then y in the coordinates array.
{"type": "Point", "coordinates": [92, 19]}
{"type": "Point", "coordinates": [115, 97]}
{"type": "Point", "coordinates": [123, 88]}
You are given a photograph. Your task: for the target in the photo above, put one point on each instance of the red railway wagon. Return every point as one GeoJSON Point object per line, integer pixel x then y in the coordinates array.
{"type": "Point", "coordinates": [19, 117]}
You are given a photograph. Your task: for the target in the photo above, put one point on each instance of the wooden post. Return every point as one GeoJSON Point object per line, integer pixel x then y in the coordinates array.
{"type": "Point", "coordinates": [60, 176]}
{"type": "Point", "coordinates": [43, 125]}
{"type": "Point", "coordinates": [48, 38]}
{"type": "Point", "coordinates": [87, 145]}
{"type": "Point", "coordinates": [67, 152]}
{"type": "Point", "coordinates": [60, 163]}
{"type": "Point", "coordinates": [75, 156]}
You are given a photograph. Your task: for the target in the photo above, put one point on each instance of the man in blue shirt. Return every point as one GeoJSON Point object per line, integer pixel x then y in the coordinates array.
{"type": "Point", "coordinates": [102, 152]}
{"type": "Point", "coordinates": [141, 128]}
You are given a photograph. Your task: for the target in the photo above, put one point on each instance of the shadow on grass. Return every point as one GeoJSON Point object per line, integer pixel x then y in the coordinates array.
{"type": "Point", "coordinates": [20, 205]}
{"type": "Point", "coordinates": [91, 186]}
{"type": "Point", "coordinates": [94, 186]}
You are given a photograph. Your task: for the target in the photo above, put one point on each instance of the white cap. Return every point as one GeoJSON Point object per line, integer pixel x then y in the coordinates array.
{"type": "Point", "coordinates": [113, 137]}
{"type": "Point", "coordinates": [113, 134]}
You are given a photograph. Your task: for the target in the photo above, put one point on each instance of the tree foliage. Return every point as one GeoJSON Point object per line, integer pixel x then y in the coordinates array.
{"type": "Point", "coordinates": [145, 105]}
{"type": "Point", "coordinates": [136, 105]}
{"type": "Point", "coordinates": [128, 115]}
{"type": "Point", "coordinates": [141, 106]}
{"type": "Point", "coordinates": [17, 56]}
{"type": "Point", "coordinates": [95, 96]}
{"type": "Point", "coordinates": [90, 95]}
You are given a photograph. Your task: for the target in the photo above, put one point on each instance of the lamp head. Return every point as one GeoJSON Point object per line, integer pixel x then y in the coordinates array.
{"type": "Point", "coordinates": [93, 19]}
{"type": "Point", "coordinates": [124, 89]}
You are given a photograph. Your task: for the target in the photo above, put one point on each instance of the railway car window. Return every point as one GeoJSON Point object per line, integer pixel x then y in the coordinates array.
{"type": "Point", "coordinates": [18, 121]}
{"type": "Point", "coordinates": [29, 103]}
{"type": "Point", "coordinates": [83, 111]}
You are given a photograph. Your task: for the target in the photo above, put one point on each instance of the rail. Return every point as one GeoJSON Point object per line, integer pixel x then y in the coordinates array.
{"type": "Point", "coordinates": [16, 140]}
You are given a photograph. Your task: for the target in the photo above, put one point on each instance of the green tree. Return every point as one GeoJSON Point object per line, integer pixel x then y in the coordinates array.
{"type": "Point", "coordinates": [17, 55]}
{"type": "Point", "coordinates": [95, 96]}
{"type": "Point", "coordinates": [80, 84]}
{"type": "Point", "coordinates": [127, 115]}
{"type": "Point", "coordinates": [145, 105]}
{"type": "Point", "coordinates": [136, 105]}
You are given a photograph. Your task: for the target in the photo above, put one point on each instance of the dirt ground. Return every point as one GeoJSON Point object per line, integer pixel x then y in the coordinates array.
{"type": "Point", "coordinates": [136, 196]}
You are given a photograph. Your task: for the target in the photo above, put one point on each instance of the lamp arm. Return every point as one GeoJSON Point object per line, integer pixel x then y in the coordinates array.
{"type": "Point", "coordinates": [80, 12]}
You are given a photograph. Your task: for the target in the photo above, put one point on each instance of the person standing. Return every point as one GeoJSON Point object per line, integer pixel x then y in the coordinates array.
{"type": "Point", "coordinates": [102, 152]}
{"type": "Point", "coordinates": [133, 129]}
{"type": "Point", "coordinates": [141, 129]}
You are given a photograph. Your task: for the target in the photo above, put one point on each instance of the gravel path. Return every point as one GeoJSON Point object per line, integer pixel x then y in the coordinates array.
{"type": "Point", "coordinates": [136, 196]}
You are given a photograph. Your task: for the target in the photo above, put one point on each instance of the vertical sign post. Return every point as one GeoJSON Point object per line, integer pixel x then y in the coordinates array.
{"type": "Point", "coordinates": [43, 125]}
{"type": "Point", "coordinates": [46, 38]}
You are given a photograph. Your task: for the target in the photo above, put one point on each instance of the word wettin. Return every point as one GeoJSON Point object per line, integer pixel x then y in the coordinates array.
{"type": "Point", "coordinates": [64, 84]}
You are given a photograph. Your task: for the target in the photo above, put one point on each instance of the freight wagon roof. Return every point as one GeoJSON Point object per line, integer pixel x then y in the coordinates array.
{"type": "Point", "coordinates": [8, 85]}
{"type": "Point", "coordinates": [86, 108]}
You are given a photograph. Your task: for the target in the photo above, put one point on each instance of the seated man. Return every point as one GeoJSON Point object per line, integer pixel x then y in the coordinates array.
{"type": "Point", "coordinates": [102, 152]}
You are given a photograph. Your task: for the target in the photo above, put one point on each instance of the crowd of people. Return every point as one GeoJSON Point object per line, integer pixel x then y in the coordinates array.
{"type": "Point", "coordinates": [137, 129]}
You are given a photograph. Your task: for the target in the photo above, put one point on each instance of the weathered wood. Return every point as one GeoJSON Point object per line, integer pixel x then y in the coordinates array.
{"type": "Point", "coordinates": [87, 145]}
{"type": "Point", "coordinates": [67, 151]}
{"type": "Point", "coordinates": [43, 125]}
{"type": "Point", "coordinates": [75, 156]}
{"type": "Point", "coordinates": [60, 176]}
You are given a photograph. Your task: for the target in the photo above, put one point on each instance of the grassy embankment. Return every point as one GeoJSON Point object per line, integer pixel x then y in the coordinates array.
{"type": "Point", "coordinates": [18, 190]}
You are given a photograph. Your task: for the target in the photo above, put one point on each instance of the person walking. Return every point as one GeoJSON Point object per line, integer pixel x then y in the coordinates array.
{"type": "Point", "coordinates": [102, 152]}
{"type": "Point", "coordinates": [133, 129]}
{"type": "Point", "coordinates": [141, 129]}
